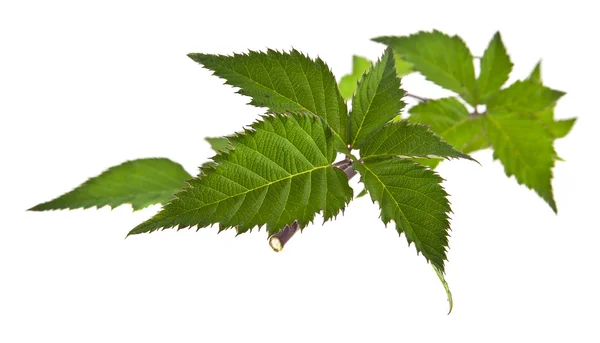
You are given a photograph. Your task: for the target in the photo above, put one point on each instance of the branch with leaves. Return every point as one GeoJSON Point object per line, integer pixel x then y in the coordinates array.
{"type": "Point", "coordinates": [296, 160]}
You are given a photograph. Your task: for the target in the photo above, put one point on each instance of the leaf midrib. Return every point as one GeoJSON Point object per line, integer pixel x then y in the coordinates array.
{"type": "Point", "coordinates": [250, 190]}
{"type": "Point", "coordinates": [385, 188]}
{"type": "Point", "coordinates": [510, 142]}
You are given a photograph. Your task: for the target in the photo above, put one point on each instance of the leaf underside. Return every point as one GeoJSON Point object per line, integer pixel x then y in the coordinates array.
{"type": "Point", "coordinates": [141, 183]}
{"type": "Point", "coordinates": [278, 171]}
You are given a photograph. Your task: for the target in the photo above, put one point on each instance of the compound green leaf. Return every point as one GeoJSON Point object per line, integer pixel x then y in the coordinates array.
{"type": "Point", "coordinates": [495, 69]}
{"type": "Point", "coordinates": [348, 82]}
{"type": "Point", "coordinates": [377, 100]}
{"type": "Point", "coordinates": [524, 147]}
{"type": "Point", "coordinates": [279, 171]}
{"type": "Point", "coordinates": [450, 119]}
{"type": "Point", "coordinates": [141, 183]}
{"type": "Point", "coordinates": [412, 196]}
{"type": "Point", "coordinates": [283, 82]}
{"type": "Point", "coordinates": [406, 139]}
{"type": "Point", "coordinates": [442, 59]}
{"type": "Point", "coordinates": [526, 97]}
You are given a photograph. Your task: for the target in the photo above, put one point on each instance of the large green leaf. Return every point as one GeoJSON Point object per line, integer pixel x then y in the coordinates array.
{"type": "Point", "coordinates": [524, 147]}
{"type": "Point", "coordinates": [279, 171]}
{"type": "Point", "coordinates": [412, 196]}
{"type": "Point", "coordinates": [442, 59]}
{"type": "Point", "coordinates": [450, 119]}
{"type": "Point", "coordinates": [283, 82]}
{"type": "Point", "coordinates": [406, 139]}
{"type": "Point", "coordinates": [377, 100]}
{"type": "Point", "coordinates": [525, 97]}
{"type": "Point", "coordinates": [360, 65]}
{"type": "Point", "coordinates": [141, 183]}
{"type": "Point", "coordinates": [495, 69]}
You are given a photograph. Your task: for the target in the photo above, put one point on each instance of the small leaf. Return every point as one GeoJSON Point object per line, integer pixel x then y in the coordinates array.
{"type": "Point", "coordinates": [412, 196]}
{"type": "Point", "coordinates": [279, 171]}
{"type": "Point", "coordinates": [524, 147]}
{"type": "Point", "coordinates": [348, 82]}
{"type": "Point", "coordinates": [450, 119]}
{"type": "Point", "coordinates": [377, 100]}
{"type": "Point", "coordinates": [442, 59]}
{"type": "Point", "coordinates": [218, 144]}
{"type": "Point", "coordinates": [408, 140]}
{"type": "Point", "coordinates": [495, 69]}
{"type": "Point", "coordinates": [141, 183]}
{"type": "Point", "coordinates": [403, 67]}
{"type": "Point", "coordinates": [283, 82]}
{"type": "Point", "coordinates": [525, 97]}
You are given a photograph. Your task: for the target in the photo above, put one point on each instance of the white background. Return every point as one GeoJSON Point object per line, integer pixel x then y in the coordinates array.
{"type": "Point", "coordinates": [84, 87]}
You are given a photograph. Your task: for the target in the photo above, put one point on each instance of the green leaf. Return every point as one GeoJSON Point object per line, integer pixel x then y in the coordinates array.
{"type": "Point", "coordinates": [377, 100]}
{"type": "Point", "coordinates": [450, 119]}
{"type": "Point", "coordinates": [283, 82]}
{"type": "Point", "coordinates": [218, 144]}
{"type": "Point", "coordinates": [440, 275]}
{"type": "Point", "coordinates": [412, 196]}
{"type": "Point", "coordinates": [406, 139]}
{"type": "Point", "coordinates": [536, 73]}
{"type": "Point", "coordinates": [403, 67]}
{"type": "Point", "coordinates": [524, 147]}
{"type": "Point", "coordinates": [348, 82]}
{"type": "Point", "coordinates": [525, 97]}
{"type": "Point", "coordinates": [495, 69]}
{"type": "Point", "coordinates": [278, 171]}
{"type": "Point", "coordinates": [442, 59]}
{"type": "Point", "coordinates": [362, 193]}
{"type": "Point", "coordinates": [561, 128]}
{"type": "Point", "coordinates": [141, 183]}
{"type": "Point", "coordinates": [558, 128]}
{"type": "Point", "coordinates": [432, 163]}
